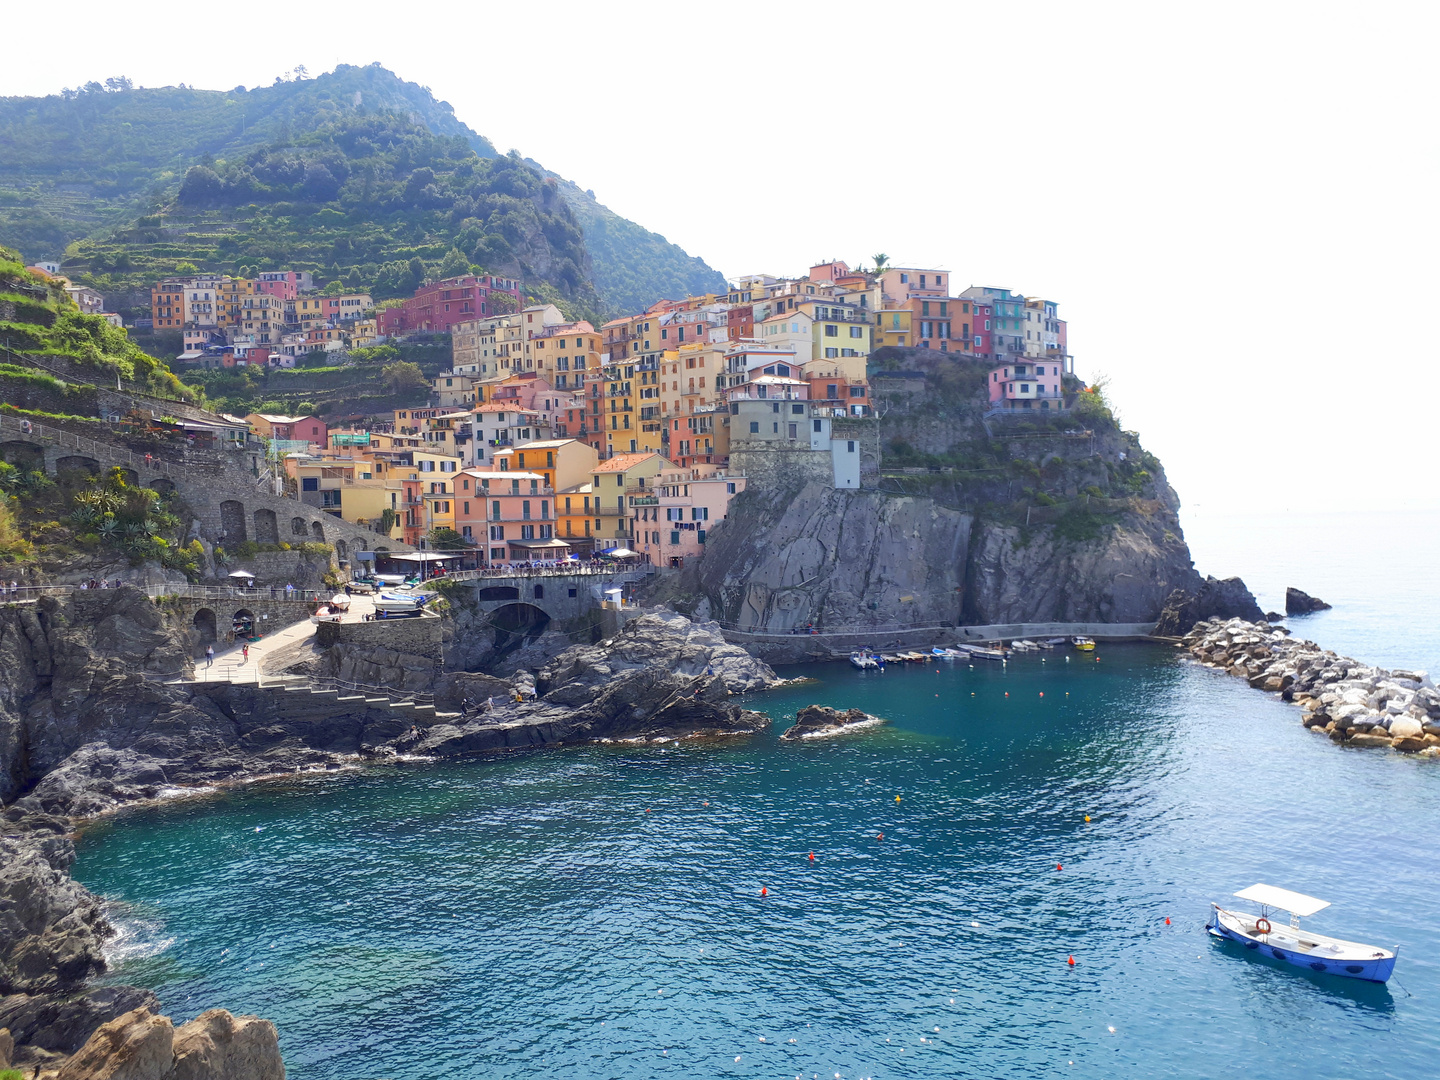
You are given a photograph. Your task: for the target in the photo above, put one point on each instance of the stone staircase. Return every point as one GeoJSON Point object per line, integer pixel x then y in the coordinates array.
{"type": "Point", "coordinates": [299, 698]}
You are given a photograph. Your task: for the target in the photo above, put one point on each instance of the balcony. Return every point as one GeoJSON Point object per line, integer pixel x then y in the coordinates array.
{"type": "Point", "coordinates": [644, 500]}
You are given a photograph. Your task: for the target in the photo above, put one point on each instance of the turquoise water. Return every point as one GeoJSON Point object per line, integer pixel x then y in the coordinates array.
{"type": "Point", "coordinates": [596, 912]}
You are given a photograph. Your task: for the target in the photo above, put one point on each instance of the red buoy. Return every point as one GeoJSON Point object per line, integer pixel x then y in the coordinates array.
{"type": "Point", "coordinates": [1042, 693]}
{"type": "Point", "coordinates": [1059, 867]}
{"type": "Point", "coordinates": [1072, 961]}
{"type": "Point", "coordinates": [880, 836]}
{"type": "Point", "coordinates": [764, 891]}
{"type": "Point", "coordinates": [1167, 922]}
{"type": "Point", "coordinates": [812, 859]}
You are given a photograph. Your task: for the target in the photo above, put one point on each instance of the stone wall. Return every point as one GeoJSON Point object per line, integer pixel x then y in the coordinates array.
{"type": "Point", "coordinates": [420, 636]}
{"type": "Point", "coordinates": [227, 504]}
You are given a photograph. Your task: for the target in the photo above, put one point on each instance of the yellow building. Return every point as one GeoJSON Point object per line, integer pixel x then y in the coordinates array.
{"type": "Point", "coordinates": [615, 485]}
{"type": "Point", "coordinates": [364, 333]}
{"type": "Point", "coordinates": [566, 355]}
{"type": "Point", "coordinates": [565, 463]}
{"type": "Point", "coordinates": [574, 517]}
{"type": "Point", "coordinates": [354, 489]}
{"type": "Point", "coordinates": [893, 328]}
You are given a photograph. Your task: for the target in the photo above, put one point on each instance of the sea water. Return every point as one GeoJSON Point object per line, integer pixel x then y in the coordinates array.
{"type": "Point", "coordinates": [597, 911]}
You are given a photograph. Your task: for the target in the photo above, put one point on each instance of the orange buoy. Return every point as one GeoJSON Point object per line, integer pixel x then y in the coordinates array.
{"type": "Point", "coordinates": [1059, 867]}
{"type": "Point", "coordinates": [1087, 817]}
{"type": "Point", "coordinates": [764, 891]}
{"type": "Point", "coordinates": [1072, 961]}
{"type": "Point", "coordinates": [812, 856]}
{"type": "Point", "coordinates": [1042, 693]}
{"type": "Point", "coordinates": [880, 836]}
{"type": "Point", "coordinates": [1007, 693]}
{"type": "Point", "coordinates": [1167, 921]}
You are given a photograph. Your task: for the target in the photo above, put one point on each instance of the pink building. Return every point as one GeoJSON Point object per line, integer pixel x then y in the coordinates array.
{"type": "Point", "coordinates": [1025, 385]}
{"type": "Point", "coordinates": [279, 287]}
{"type": "Point", "coordinates": [688, 503]}
{"type": "Point", "coordinates": [438, 306]}
{"type": "Point", "coordinates": [507, 516]}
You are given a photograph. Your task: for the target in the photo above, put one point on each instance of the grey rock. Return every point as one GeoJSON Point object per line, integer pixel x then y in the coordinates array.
{"type": "Point", "coordinates": [1299, 603]}
{"type": "Point", "coordinates": [818, 721]}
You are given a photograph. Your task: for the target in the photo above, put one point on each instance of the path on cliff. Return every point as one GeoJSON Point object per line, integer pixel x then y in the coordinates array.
{"type": "Point", "coordinates": [231, 665]}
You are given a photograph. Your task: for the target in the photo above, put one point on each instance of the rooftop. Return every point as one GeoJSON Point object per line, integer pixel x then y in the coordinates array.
{"type": "Point", "coordinates": [623, 462]}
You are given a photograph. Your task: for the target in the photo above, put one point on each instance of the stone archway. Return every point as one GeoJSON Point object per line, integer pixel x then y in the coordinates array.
{"type": "Point", "coordinates": [162, 487]}
{"type": "Point", "coordinates": [317, 531]}
{"type": "Point", "coordinates": [515, 624]}
{"type": "Point", "coordinates": [232, 521]}
{"type": "Point", "coordinates": [341, 549]}
{"type": "Point", "coordinates": [267, 529]}
{"type": "Point", "coordinates": [243, 623]}
{"type": "Point", "coordinates": [204, 624]}
{"type": "Point", "coordinates": [297, 526]}
{"type": "Point", "coordinates": [27, 457]}
{"type": "Point", "coordinates": [77, 463]}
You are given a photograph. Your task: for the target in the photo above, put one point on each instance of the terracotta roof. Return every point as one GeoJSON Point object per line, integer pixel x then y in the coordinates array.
{"type": "Point", "coordinates": [623, 462]}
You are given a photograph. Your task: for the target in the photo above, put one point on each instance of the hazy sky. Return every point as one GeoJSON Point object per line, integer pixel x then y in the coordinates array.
{"type": "Point", "coordinates": [1233, 204]}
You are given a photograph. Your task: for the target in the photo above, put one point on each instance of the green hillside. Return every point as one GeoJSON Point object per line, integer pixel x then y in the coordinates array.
{"type": "Point", "coordinates": [299, 169]}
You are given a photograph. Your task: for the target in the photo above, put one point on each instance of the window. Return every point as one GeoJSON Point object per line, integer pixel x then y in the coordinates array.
{"type": "Point", "coordinates": [831, 330]}
{"type": "Point", "coordinates": [831, 354]}
{"type": "Point", "coordinates": [850, 446]}
{"type": "Point", "coordinates": [857, 391]}
{"type": "Point", "coordinates": [754, 427]}
{"type": "Point", "coordinates": [924, 307]}
{"type": "Point", "coordinates": [857, 331]}
{"type": "Point", "coordinates": [904, 279]}
{"type": "Point", "coordinates": [466, 504]}
{"type": "Point", "coordinates": [730, 489]}
{"type": "Point", "coordinates": [497, 532]}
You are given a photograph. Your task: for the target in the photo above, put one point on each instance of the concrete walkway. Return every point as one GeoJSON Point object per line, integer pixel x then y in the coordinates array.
{"type": "Point", "coordinates": [232, 666]}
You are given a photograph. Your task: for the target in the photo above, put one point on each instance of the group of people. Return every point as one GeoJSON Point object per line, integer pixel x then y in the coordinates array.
{"type": "Point", "coordinates": [93, 584]}
{"type": "Point", "coordinates": [13, 589]}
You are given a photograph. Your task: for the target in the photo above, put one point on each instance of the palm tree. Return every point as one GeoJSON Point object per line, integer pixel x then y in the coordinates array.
{"type": "Point", "coordinates": [882, 263]}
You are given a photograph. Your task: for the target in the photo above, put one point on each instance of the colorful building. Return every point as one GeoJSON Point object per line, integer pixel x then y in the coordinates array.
{"type": "Point", "coordinates": [436, 307]}
{"type": "Point", "coordinates": [508, 516]}
{"type": "Point", "coordinates": [687, 505]}
{"type": "Point", "coordinates": [615, 484]}
{"type": "Point", "coordinates": [1022, 385]}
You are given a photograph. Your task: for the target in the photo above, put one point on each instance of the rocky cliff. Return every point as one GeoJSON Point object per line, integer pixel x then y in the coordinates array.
{"type": "Point", "coordinates": [967, 520]}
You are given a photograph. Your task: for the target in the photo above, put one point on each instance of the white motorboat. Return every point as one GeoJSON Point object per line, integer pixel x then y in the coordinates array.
{"type": "Point", "coordinates": [400, 602]}
{"type": "Point", "coordinates": [1290, 944]}
{"type": "Point", "coordinates": [864, 661]}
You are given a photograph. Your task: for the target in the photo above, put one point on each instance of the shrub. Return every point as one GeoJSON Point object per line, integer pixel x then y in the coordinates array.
{"type": "Point", "coordinates": [315, 547]}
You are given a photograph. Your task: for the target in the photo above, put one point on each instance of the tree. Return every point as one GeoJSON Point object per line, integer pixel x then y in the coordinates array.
{"type": "Point", "coordinates": [454, 264]}
{"type": "Point", "coordinates": [403, 376]}
{"type": "Point", "coordinates": [502, 304]}
{"type": "Point", "coordinates": [443, 539]}
{"type": "Point", "coordinates": [882, 263]}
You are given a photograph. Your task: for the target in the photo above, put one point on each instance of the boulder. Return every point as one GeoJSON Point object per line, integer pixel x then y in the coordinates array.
{"type": "Point", "coordinates": [218, 1046]}
{"type": "Point", "coordinates": [1368, 740]}
{"type": "Point", "coordinates": [1409, 745]}
{"type": "Point", "coordinates": [1215, 598]}
{"type": "Point", "coordinates": [1299, 603]}
{"type": "Point", "coordinates": [1405, 727]}
{"type": "Point", "coordinates": [818, 721]}
{"type": "Point", "coordinates": [7, 1048]}
{"type": "Point", "coordinates": [135, 1046]}
{"type": "Point", "coordinates": [60, 1023]}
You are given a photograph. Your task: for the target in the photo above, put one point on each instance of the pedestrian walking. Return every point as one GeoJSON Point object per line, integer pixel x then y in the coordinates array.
{"type": "Point", "coordinates": [209, 655]}
{"type": "Point", "coordinates": [244, 654]}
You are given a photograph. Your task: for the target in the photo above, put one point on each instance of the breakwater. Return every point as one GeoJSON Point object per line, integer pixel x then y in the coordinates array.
{"type": "Point", "coordinates": [1353, 703]}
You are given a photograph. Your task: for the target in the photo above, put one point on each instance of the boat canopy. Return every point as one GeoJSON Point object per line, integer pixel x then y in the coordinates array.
{"type": "Point", "coordinates": [1293, 902]}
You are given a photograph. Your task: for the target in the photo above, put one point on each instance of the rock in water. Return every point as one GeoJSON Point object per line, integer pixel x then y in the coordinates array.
{"type": "Point", "coordinates": [1299, 603]}
{"type": "Point", "coordinates": [218, 1046]}
{"type": "Point", "coordinates": [214, 1046]}
{"type": "Point", "coordinates": [1215, 598]}
{"type": "Point", "coordinates": [135, 1046]}
{"type": "Point", "coordinates": [818, 721]}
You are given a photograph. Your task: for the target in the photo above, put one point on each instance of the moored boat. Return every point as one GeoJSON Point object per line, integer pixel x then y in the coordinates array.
{"type": "Point", "coordinates": [1290, 944]}
{"type": "Point", "coordinates": [862, 659]}
{"type": "Point", "coordinates": [986, 652]}
{"type": "Point", "coordinates": [1084, 644]}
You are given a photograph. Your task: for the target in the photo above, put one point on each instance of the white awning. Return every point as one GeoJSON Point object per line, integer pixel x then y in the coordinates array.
{"type": "Point", "coordinates": [423, 556]}
{"type": "Point", "coordinates": [1294, 902]}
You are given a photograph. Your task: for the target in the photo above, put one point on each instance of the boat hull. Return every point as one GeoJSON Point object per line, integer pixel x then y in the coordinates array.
{"type": "Point", "coordinates": [1377, 967]}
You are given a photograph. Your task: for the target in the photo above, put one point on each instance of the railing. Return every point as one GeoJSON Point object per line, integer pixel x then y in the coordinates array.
{"type": "Point", "coordinates": [67, 440]}
{"type": "Point", "coordinates": [591, 568]}
{"type": "Point", "coordinates": [235, 592]}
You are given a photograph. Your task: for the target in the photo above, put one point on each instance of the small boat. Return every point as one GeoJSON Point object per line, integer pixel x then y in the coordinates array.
{"type": "Point", "coordinates": [986, 652]}
{"type": "Point", "coordinates": [1084, 644]}
{"type": "Point", "coordinates": [340, 602]}
{"type": "Point", "coordinates": [946, 654]}
{"type": "Point", "coordinates": [864, 661]}
{"type": "Point", "coordinates": [891, 658]}
{"type": "Point", "coordinates": [1052, 642]}
{"type": "Point", "coordinates": [1027, 645]}
{"type": "Point", "coordinates": [1290, 944]}
{"type": "Point", "coordinates": [321, 616]}
{"type": "Point", "coordinates": [400, 602]}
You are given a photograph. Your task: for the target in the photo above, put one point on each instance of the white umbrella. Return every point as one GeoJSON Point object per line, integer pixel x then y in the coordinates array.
{"type": "Point", "coordinates": [241, 573]}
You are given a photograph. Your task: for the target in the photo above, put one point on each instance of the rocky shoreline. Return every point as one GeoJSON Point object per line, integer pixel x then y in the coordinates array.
{"type": "Point", "coordinates": [84, 732]}
{"type": "Point", "coordinates": [1353, 703]}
